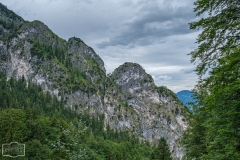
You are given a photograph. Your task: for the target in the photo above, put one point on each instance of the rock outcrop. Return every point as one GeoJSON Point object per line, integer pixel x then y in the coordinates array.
{"type": "Point", "coordinates": [74, 73]}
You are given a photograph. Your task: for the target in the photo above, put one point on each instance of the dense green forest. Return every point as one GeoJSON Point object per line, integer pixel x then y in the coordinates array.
{"type": "Point", "coordinates": [214, 131]}
{"type": "Point", "coordinates": [49, 130]}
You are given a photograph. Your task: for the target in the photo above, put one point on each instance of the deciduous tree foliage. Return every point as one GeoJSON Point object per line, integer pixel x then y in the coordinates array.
{"type": "Point", "coordinates": [215, 127]}
{"type": "Point", "coordinates": [220, 31]}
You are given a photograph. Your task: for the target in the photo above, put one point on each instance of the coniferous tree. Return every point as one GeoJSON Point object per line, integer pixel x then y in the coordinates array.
{"type": "Point", "coordinates": [51, 131]}
{"type": "Point", "coordinates": [218, 93]}
{"type": "Point", "coordinates": [162, 151]}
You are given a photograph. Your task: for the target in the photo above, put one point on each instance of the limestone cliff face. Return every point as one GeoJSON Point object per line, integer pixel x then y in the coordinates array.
{"type": "Point", "coordinates": [74, 73]}
{"type": "Point", "coordinates": [156, 112]}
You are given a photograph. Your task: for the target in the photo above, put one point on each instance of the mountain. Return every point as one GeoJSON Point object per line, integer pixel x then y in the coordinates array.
{"type": "Point", "coordinates": [75, 74]}
{"type": "Point", "coordinates": [185, 96]}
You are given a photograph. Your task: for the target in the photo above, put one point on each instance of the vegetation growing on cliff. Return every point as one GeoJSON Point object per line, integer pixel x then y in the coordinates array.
{"type": "Point", "coordinates": [51, 131]}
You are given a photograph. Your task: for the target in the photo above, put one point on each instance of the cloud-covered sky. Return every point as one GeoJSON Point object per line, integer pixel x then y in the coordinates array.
{"type": "Point", "coordinates": [153, 33]}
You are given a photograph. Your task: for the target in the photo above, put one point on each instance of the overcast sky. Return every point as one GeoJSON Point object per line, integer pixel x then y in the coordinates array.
{"type": "Point", "coordinates": [152, 33]}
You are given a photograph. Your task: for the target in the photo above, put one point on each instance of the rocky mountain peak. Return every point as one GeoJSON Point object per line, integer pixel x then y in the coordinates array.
{"type": "Point", "coordinates": [131, 77]}
{"type": "Point", "coordinates": [38, 28]}
{"type": "Point", "coordinates": [9, 16]}
{"type": "Point", "coordinates": [132, 70]}
{"type": "Point", "coordinates": [73, 72]}
{"type": "Point", "coordinates": [38, 31]}
{"type": "Point", "coordinates": [84, 52]}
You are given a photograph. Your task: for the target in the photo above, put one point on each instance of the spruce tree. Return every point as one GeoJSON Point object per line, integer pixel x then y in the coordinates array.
{"type": "Point", "coordinates": [162, 151]}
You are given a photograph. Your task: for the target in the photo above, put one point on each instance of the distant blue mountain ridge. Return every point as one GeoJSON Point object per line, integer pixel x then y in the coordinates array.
{"type": "Point", "coordinates": [185, 96]}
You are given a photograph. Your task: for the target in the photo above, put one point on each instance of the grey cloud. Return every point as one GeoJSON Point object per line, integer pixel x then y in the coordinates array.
{"type": "Point", "coordinates": [152, 23]}
{"type": "Point", "coordinates": [74, 1]}
{"type": "Point", "coordinates": [187, 70]}
{"type": "Point", "coordinates": [154, 34]}
{"type": "Point", "coordinates": [162, 77]}
{"type": "Point", "coordinates": [177, 82]}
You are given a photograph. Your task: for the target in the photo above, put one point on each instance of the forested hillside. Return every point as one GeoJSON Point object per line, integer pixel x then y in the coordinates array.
{"type": "Point", "coordinates": [51, 131]}
{"type": "Point", "coordinates": [74, 75]}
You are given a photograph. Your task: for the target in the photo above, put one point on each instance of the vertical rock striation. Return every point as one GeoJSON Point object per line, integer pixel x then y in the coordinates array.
{"type": "Point", "coordinates": [74, 73]}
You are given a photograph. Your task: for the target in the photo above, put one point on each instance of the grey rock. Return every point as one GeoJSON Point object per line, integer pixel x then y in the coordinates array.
{"type": "Point", "coordinates": [128, 97]}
